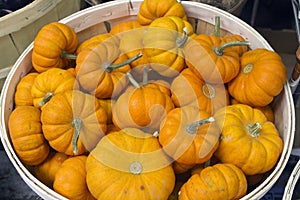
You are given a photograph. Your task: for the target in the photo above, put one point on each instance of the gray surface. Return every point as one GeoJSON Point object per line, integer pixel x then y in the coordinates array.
{"type": "Point", "coordinates": [12, 185]}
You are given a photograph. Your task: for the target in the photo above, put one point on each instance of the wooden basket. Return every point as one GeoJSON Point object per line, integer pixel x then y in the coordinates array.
{"type": "Point", "coordinates": [292, 181]}
{"type": "Point", "coordinates": [18, 29]}
{"type": "Point", "coordinates": [89, 22]}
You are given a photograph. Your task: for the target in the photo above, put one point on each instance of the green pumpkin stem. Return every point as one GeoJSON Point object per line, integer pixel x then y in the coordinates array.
{"type": "Point", "coordinates": [64, 54]}
{"type": "Point", "coordinates": [77, 125]}
{"type": "Point", "coordinates": [46, 98]}
{"type": "Point", "coordinates": [181, 41]}
{"type": "Point", "coordinates": [254, 129]}
{"type": "Point", "coordinates": [192, 128]}
{"type": "Point", "coordinates": [132, 80]}
{"type": "Point", "coordinates": [217, 26]}
{"type": "Point", "coordinates": [219, 50]}
{"type": "Point", "coordinates": [111, 67]}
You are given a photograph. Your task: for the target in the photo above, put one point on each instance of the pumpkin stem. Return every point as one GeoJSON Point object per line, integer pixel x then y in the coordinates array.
{"type": "Point", "coordinates": [220, 50]}
{"type": "Point", "coordinates": [217, 26]}
{"type": "Point", "coordinates": [64, 54]}
{"type": "Point", "coordinates": [132, 80]}
{"type": "Point", "coordinates": [254, 129]}
{"type": "Point", "coordinates": [192, 128]}
{"type": "Point", "coordinates": [181, 41]}
{"type": "Point", "coordinates": [111, 67]}
{"type": "Point", "coordinates": [77, 125]}
{"type": "Point", "coordinates": [46, 98]}
{"type": "Point", "coordinates": [136, 167]}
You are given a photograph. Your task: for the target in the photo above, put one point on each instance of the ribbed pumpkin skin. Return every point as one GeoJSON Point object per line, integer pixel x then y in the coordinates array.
{"type": "Point", "coordinates": [261, 78]}
{"type": "Point", "coordinates": [153, 9]}
{"type": "Point", "coordinates": [162, 46]}
{"type": "Point", "coordinates": [50, 42]}
{"type": "Point", "coordinates": [91, 64]}
{"type": "Point", "coordinates": [53, 81]}
{"type": "Point", "coordinates": [70, 179]}
{"type": "Point", "coordinates": [184, 147]}
{"type": "Point", "coordinates": [108, 168]}
{"type": "Point", "coordinates": [189, 89]}
{"type": "Point", "coordinates": [218, 182]}
{"type": "Point", "coordinates": [25, 130]}
{"type": "Point", "coordinates": [253, 152]}
{"type": "Point", "coordinates": [213, 68]}
{"type": "Point", "coordinates": [143, 107]}
{"type": "Point", "coordinates": [23, 91]}
{"type": "Point", "coordinates": [59, 113]}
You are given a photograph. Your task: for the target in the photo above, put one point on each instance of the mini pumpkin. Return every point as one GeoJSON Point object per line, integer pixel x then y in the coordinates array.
{"type": "Point", "coordinates": [153, 9]}
{"type": "Point", "coordinates": [46, 171]}
{"type": "Point", "coordinates": [129, 164]}
{"type": "Point", "coordinates": [49, 83]}
{"type": "Point", "coordinates": [189, 89]}
{"type": "Point", "coordinates": [73, 122]}
{"type": "Point", "coordinates": [163, 43]}
{"type": "Point", "coordinates": [248, 140]}
{"type": "Point", "coordinates": [23, 95]}
{"type": "Point", "coordinates": [212, 59]}
{"type": "Point", "coordinates": [261, 78]}
{"type": "Point", "coordinates": [188, 135]}
{"type": "Point", "coordinates": [106, 66]}
{"type": "Point", "coordinates": [26, 134]}
{"type": "Point", "coordinates": [51, 45]}
{"type": "Point", "coordinates": [70, 179]}
{"type": "Point", "coordinates": [141, 106]}
{"type": "Point", "coordinates": [220, 181]}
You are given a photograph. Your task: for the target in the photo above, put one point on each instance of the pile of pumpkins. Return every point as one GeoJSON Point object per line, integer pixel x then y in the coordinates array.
{"type": "Point", "coordinates": [149, 110]}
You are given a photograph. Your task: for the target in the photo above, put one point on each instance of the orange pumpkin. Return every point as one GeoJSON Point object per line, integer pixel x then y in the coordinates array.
{"type": "Point", "coordinates": [73, 122]}
{"type": "Point", "coordinates": [46, 171]}
{"type": "Point", "coordinates": [188, 136]}
{"type": "Point", "coordinates": [51, 45]}
{"type": "Point", "coordinates": [153, 9]}
{"type": "Point", "coordinates": [163, 43]}
{"type": "Point", "coordinates": [212, 59]}
{"type": "Point", "coordinates": [261, 78]}
{"type": "Point", "coordinates": [141, 106]}
{"type": "Point", "coordinates": [189, 89]}
{"type": "Point", "coordinates": [70, 179]}
{"type": "Point", "coordinates": [130, 165]}
{"type": "Point", "coordinates": [248, 140]}
{"type": "Point", "coordinates": [26, 134]}
{"type": "Point", "coordinates": [220, 181]}
{"type": "Point", "coordinates": [49, 83]}
{"type": "Point", "coordinates": [106, 66]}
{"type": "Point", "coordinates": [23, 95]}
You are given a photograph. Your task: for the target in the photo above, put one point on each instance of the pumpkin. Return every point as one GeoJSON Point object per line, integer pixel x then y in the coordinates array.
{"type": "Point", "coordinates": [141, 106]}
{"type": "Point", "coordinates": [180, 168]}
{"type": "Point", "coordinates": [70, 179]}
{"type": "Point", "coordinates": [163, 44]}
{"type": "Point", "coordinates": [261, 78]}
{"type": "Point", "coordinates": [73, 122]}
{"type": "Point", "coordinates": [213, 60]}
{"type": "Point", "coordinates": [267, 110]}
{"type": "Point", "coordinates": [152, 9]}
{"type": "Point", "coordinates": [46, 171]}
{"type": "Point", "coordinates": [49, 83]}
{"type": "Point", "coordinates": [248, 140]}
{"type": "Point", "coordinates": [220, 181]}
{"type": "Point", "coordinates": [107, 106]}
{"type": "Point", "coordinates": [129, 165]}
{"type": "Point", "coordinates": [189, 89]}
{"type": "Point", "coordinates": [26, 134]}
{"type": "Point", "coordinates": [23, 90]}
{"type": "Point", "coordinates": [234, 37]}
{"type": "Point", "coordinates": [52, 45]}
{"type": "Point", "coordinates": [125, 26]}
{"type": "Point", "coordinates": [106, 66]}
{"type": "Point", "coordinates": [188, 135]}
